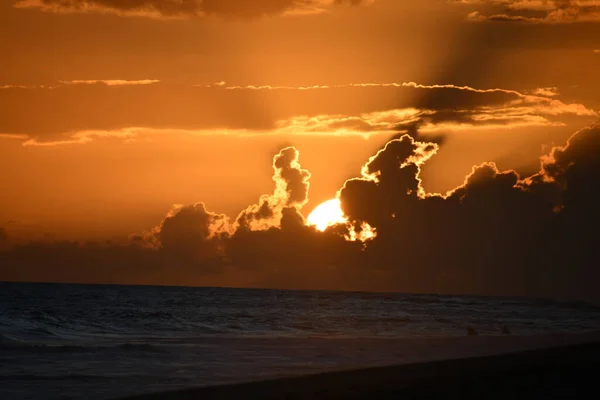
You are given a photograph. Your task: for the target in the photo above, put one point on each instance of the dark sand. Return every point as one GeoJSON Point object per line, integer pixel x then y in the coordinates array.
{"type": "Point", "coordinates": [561, 372]}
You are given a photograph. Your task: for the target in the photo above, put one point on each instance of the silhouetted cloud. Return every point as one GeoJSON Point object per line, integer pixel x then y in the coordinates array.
{"type": "Point", "coordinates": [497, 233]}
{"type": "Point", "coordinates": [188, 8]}
{"type": "Point", "coordinates": [503, 232]}
{"type": "Point", "coordinates": [389, 180]}
{"type": "Point", "coordinates": [291, 192]}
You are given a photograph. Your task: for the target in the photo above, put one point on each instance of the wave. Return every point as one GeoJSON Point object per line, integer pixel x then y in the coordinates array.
{"type": "Point", "coordinates": [580, 305]}
{"type": "Point", "coordinates": [6, 341]}
{"type": "Point", "coordinates": [80, 320]}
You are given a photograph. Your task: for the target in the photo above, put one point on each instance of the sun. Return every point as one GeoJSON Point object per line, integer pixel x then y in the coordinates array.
{"type": "Point", "coordinates": [326, 214]}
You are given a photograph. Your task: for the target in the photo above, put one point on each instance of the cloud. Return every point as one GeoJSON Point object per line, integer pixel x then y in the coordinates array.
{"type": "Point", "coordinates": [191, 235]}
{"type": "Point", "coordinates": [497, 233]}
{"type": "Point", "coordinates": [189, 226]}
{"type": "Point", "coordinates": [83, 137]}
{"type": "Point", "coordinates": [389, 179]}
{"type": "Point", "coordinates": [81, 113]}
{"type": "Point", "coordinates": [571, 171]}
{"type": "Point", "coordinates": [534, 11]}
{"type": "Point", "coordinates": [111, 82]}
{"type": "Point", "coordinates": [445, 107]}
{"type": "Point", "coordinates": [21, 87]}
{"type": "Point", "coordinates": [545, 91]}
{"type": "Point", "coordinates": [13, 136]}
{"type": "Point", "coordinates": [188, 8]}
{"type": "Point", "coordinates": [107, 82]}
{"type": "Point", "coordinates": [291, 193]}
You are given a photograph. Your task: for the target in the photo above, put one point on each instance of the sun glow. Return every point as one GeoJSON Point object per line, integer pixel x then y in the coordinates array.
{"type": "Point", "coordinates": [327, 214]}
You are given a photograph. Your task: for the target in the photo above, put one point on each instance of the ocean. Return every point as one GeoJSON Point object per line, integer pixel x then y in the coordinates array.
{"type": "Point", "coordinates": [60, 341]}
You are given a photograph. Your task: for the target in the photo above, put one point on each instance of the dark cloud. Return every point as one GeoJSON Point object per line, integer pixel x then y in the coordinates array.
{"type": "Point", "coordinates": [507, 234]}
{"type": "Point", "coordinates": [188, 227]}
{"type": "Point", "coordinates": [390, 181]}
{"type": "Point", "coordinates": [497, 233]}
{"type": "Point", "coordinates": [186, 8]}
{"type": "Point", "coordinates": [190, 237]}
{"type": "Point", "coordinates": [296, 256]}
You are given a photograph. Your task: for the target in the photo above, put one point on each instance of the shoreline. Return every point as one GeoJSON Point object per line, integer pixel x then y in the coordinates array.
{"type": "Point", "coordinates": [554, 372]}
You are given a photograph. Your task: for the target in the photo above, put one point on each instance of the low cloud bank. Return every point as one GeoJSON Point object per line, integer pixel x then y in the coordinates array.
{"type": "Point", "coordinates": [497, 233]}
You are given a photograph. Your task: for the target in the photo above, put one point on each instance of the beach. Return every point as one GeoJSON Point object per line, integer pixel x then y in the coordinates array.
{"type": "Point", "coordinates": [556, 372]}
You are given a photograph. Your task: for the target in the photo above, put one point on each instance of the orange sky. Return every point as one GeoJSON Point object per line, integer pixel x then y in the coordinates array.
{"type": "Point", "coordinates": [111, 186]}
{"type": "Point", "coordinates": [111, 112]}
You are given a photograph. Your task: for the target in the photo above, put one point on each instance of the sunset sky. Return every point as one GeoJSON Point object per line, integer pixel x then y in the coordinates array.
{"type": "Point", "coordinates": [117, 115]}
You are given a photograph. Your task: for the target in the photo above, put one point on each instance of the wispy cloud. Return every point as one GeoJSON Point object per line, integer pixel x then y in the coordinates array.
{"type": "Point", "coordinates": [382, 109]}
{"type": "Point", "coordinates": [533, 11]}
{"type": "Point", "coordinates": [126, 135]}
{"type": "Point", "coordinates": [111, 82]}
{"type": "Point", "coordinates": [13, 136]}
{"type": "Point", "coordinates": [545, 91]}
{"type": "Point", "coordinates": [188, 8]}
{"type": "Point", "coordinates": [361, 85]}
{"type": "Point", "coordinates": [107, 82]}
{"type": "Point", "coordinates": [26, 87]}
{"type": "Point", "coordinates": [83, 137]}
{"type": "Point", "coordinates": [521, 109]}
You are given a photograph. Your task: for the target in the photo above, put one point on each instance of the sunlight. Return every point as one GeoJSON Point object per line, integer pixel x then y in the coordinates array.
{"type": "Point", "coordinates": [326, 214]}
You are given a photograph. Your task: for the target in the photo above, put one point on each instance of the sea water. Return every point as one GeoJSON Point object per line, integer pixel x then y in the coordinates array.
{"type": "Point", "coordinates": [61, 341]}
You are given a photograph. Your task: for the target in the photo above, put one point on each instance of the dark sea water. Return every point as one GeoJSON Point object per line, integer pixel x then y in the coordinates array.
{"type": "Point", "coordinates": [99, 342]}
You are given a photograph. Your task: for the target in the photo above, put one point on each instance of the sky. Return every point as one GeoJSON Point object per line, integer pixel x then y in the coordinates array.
{"type": "Point", "coordinates": [187, 142]}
